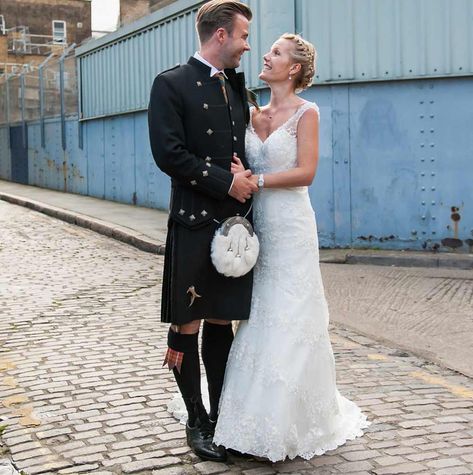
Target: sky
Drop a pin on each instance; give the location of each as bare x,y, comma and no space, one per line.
105,15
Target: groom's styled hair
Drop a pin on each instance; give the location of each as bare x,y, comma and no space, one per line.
219,14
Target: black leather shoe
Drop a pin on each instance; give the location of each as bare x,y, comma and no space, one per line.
241,455
199,439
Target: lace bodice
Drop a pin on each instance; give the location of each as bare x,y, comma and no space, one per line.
279,151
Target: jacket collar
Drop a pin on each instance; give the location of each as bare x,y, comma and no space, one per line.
230,73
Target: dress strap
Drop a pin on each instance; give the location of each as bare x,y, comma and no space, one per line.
292,123
303,108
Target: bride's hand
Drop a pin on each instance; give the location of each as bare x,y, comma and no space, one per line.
237,166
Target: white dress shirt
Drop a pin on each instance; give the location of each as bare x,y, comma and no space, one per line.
213,69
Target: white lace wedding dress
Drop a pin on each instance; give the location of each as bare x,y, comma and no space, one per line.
280,397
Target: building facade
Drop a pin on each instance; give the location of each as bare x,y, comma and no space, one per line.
66,21
31,30
132,10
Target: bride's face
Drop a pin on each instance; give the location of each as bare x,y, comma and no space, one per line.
278,63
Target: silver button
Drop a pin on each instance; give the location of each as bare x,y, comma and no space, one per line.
233,122
208,164
210,131
205,173
204,213
181,212
234,139
192,217
207,159
193,183
199,84
206,106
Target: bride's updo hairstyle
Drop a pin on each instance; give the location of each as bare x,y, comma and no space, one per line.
305,54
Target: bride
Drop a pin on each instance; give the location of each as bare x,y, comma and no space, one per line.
280,397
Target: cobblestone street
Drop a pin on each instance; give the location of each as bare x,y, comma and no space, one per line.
82,389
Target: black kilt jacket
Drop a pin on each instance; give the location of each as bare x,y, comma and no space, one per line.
193,135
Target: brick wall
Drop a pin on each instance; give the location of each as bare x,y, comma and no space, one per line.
157,4
131,10
38,15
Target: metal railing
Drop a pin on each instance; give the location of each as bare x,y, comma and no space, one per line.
21,41
37,94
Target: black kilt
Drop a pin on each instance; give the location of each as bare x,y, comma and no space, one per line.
187,264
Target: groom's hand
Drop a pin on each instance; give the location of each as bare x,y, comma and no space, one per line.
242,187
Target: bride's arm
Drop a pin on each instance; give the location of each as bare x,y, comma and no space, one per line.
307,156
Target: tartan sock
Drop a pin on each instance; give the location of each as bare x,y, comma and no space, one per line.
188,377
216,343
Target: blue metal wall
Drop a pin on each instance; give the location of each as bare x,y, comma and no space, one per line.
366,40
5,153
395,159
117,71
357,40
114,163
120,166
19,150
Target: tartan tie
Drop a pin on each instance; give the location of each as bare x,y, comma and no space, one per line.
221,78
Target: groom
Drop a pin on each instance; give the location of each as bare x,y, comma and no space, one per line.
197,119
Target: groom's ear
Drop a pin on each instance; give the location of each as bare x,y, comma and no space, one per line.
221,34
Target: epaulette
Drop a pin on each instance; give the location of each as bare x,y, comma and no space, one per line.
170,69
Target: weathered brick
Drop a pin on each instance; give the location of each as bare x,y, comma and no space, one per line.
149,464
87,450
128,444
445,428
360,455
401,468
208,468
350,467
32,454
445,462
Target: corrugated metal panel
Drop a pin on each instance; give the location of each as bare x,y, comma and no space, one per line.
366,40
357,40
271,19
117,76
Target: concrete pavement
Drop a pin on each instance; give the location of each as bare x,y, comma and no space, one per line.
82,389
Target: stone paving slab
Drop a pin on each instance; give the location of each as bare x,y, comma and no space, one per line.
83,391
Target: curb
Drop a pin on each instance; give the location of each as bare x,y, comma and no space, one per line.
464,262
115,231
145,243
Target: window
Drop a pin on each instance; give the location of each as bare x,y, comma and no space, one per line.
2,24
59,31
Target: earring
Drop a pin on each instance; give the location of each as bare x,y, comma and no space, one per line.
290,77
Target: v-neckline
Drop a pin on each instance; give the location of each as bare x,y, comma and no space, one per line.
277,128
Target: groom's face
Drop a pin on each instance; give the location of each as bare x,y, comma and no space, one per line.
237,43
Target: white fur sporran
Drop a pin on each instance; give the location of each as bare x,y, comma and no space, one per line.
235,247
